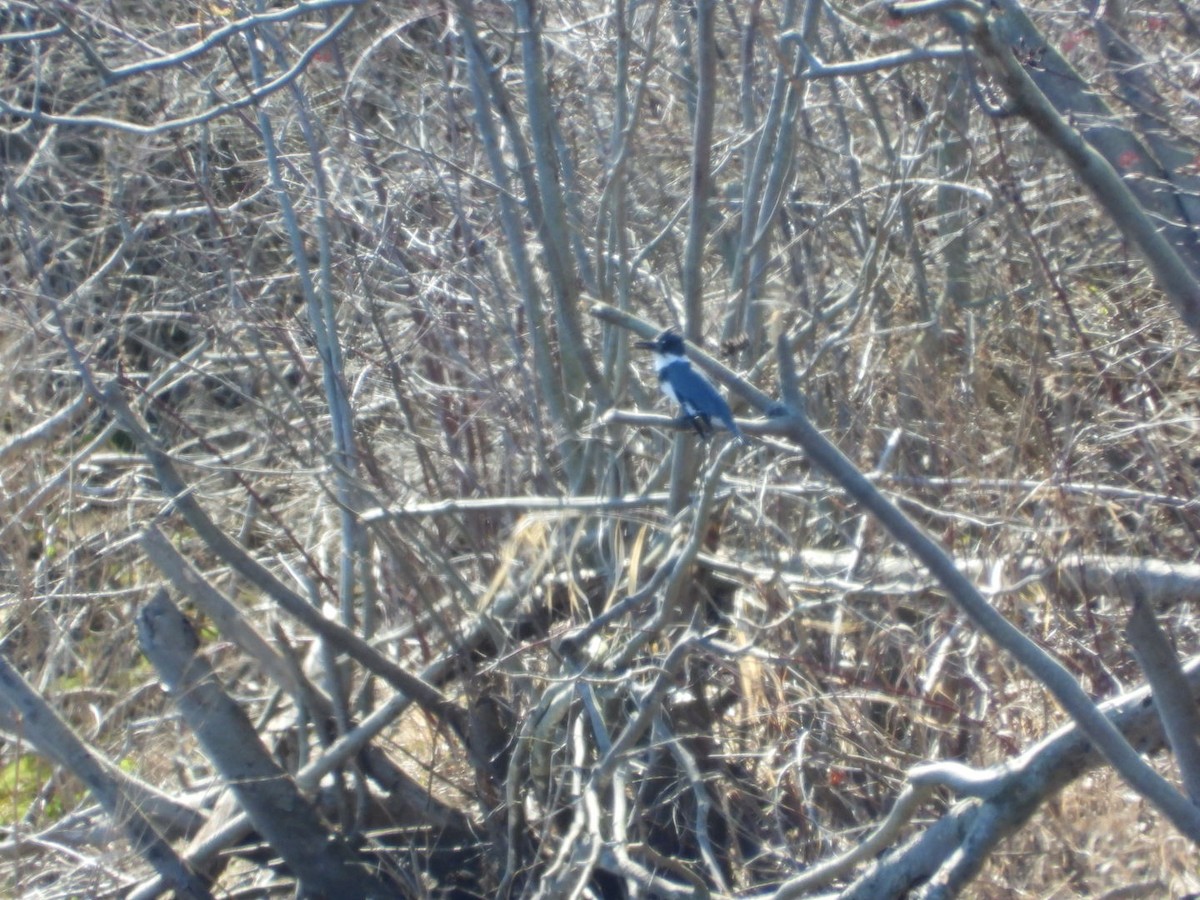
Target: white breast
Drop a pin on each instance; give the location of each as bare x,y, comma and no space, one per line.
669,391
661,361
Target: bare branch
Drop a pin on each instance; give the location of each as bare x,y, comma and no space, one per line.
182,498
229,620
46,430
701,169
1173,696
127,803
221,34
1036,661
517,506
1005,797
1165,584
815,68
250,98
677,423
322,862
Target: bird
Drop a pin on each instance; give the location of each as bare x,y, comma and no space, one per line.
693,392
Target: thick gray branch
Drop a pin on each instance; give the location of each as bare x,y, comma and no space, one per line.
408,802
1047,670
1162,582
1172,693
1044,89
284,817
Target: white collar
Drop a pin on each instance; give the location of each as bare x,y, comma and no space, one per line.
662,360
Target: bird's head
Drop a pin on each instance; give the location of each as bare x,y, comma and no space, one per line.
666,344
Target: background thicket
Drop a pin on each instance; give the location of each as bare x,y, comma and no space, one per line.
317,325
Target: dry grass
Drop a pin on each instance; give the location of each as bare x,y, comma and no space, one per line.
1097,839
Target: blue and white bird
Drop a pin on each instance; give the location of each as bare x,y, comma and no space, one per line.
697,397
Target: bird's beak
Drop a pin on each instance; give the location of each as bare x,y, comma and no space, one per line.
646,345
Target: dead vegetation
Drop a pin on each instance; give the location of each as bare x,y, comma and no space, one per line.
347,371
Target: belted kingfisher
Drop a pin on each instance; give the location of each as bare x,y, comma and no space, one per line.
692,391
